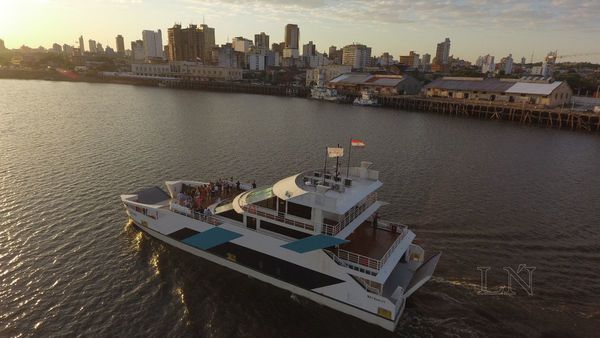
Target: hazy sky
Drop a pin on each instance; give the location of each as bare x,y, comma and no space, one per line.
475,27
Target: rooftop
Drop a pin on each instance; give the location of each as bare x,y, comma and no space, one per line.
368,79
496,85
308,188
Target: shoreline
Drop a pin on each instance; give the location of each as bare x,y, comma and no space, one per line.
554,118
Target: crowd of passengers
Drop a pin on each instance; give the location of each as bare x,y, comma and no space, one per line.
196,198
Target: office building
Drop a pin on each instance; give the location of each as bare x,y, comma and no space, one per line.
120,45
137,50
261,41
442,52
81,45
56,48
320,75
506,64
487,64
99,48
92,46
309,49
411,60
191,44
241,44
153,47
292,41
356,55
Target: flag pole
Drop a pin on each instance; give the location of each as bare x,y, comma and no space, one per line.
325,167
349,152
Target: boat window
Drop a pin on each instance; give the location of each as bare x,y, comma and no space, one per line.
299,210
251,222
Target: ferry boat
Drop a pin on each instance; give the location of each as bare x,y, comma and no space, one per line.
316,234
366,99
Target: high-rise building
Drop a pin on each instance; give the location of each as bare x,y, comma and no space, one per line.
191,44
120,45
506,64
56,48
426,59
92,46
99,48
309,49
278,47
208,42
138,52
523,61
261,41
335,55
153,47
442,52
488,65
81,45
292,36
67,50
2,47
386,59
356,55
292,41
410,60
241,44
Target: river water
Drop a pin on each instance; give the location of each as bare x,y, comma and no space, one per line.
486,194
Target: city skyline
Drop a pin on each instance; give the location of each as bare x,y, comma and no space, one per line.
395,27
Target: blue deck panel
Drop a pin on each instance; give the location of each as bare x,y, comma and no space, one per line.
211,238
313,243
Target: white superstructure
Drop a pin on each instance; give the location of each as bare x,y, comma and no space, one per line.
316,234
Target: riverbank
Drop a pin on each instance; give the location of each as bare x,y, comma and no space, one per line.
524,114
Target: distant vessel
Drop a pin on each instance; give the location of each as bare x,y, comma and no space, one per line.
323,93
316,234
366,99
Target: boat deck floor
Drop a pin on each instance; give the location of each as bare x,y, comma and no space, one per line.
369,241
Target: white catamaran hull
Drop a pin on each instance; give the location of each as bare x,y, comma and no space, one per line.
312,295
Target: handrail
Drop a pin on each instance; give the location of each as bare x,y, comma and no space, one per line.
375,264
350,216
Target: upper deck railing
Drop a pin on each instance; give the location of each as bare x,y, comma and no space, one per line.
355,260
350,215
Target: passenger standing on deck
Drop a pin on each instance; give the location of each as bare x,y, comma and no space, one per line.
253,184
237,185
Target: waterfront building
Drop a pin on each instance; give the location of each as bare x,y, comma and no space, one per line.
153,47
241,44
81,45
257,59
316,60
380,84
261,41
120,45
184,70
191,44
137,50
56,48
356,55
92,46
322,74
527,90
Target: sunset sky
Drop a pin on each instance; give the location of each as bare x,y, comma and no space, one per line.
476,27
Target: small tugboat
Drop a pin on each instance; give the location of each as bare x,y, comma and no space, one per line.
366,99
316,234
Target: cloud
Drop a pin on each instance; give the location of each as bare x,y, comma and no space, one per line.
510,15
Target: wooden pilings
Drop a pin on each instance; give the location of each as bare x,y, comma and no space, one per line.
526,114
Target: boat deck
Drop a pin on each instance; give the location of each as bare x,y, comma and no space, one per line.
221,197
370,241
